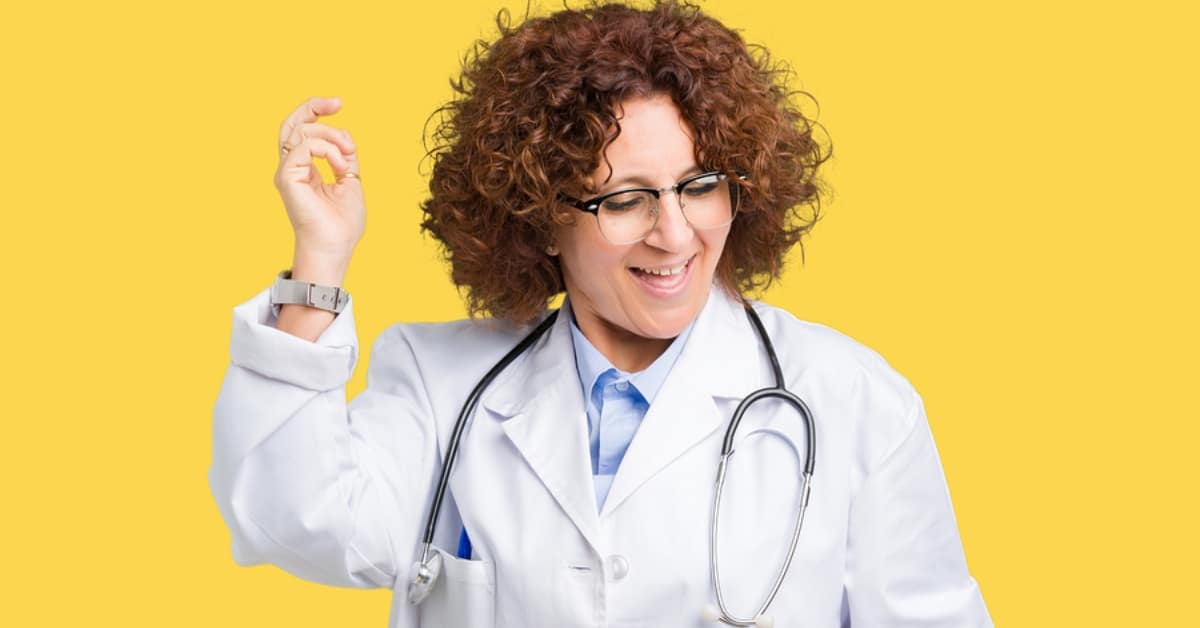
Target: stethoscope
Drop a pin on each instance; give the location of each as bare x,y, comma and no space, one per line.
429,567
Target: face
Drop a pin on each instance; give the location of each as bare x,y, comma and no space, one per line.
614,298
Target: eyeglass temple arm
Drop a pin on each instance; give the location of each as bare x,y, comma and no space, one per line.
578,204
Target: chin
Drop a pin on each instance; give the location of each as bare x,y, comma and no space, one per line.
668,322
663,329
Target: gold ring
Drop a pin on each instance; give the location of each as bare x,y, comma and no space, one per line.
285,149
352,175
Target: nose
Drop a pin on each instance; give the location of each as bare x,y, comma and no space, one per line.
673,232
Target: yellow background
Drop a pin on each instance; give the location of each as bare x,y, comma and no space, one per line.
1013,228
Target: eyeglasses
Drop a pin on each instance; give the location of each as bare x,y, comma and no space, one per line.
708,200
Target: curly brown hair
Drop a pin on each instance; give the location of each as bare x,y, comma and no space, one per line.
534,111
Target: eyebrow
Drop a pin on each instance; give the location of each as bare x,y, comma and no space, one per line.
639,181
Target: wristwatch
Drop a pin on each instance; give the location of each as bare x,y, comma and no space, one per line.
287,290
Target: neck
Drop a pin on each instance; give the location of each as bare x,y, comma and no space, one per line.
626,351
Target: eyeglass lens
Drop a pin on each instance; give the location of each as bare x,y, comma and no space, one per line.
630,216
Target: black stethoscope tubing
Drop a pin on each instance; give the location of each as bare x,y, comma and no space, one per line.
460,425
778,391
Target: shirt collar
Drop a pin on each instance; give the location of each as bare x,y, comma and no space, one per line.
591,364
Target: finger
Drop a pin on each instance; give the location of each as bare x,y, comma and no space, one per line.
351,168
338,137
308,111
298,165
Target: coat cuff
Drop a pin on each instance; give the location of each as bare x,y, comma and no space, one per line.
258,346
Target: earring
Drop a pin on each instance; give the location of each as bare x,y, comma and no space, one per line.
552,250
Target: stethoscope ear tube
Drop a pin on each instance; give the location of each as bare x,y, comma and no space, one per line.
779,391
721,612
760,618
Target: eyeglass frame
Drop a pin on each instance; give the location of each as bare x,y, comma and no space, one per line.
592,205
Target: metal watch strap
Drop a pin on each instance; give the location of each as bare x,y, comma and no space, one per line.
287,290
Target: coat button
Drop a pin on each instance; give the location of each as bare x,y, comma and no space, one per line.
618,567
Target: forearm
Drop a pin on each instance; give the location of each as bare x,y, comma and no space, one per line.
304,321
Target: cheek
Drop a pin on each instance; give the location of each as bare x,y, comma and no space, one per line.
714,244
588,261
607,272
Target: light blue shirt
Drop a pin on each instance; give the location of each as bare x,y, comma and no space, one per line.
616,401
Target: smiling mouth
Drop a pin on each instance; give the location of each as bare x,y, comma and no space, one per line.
665,271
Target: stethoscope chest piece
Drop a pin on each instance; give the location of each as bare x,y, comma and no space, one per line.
425,578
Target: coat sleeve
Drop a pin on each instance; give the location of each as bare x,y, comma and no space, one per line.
329,491
905,564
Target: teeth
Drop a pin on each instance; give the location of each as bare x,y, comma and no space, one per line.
664,272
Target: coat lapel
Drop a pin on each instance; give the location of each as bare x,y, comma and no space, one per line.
540,403
722,359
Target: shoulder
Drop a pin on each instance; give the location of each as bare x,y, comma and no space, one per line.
456,353
826,349
470,335
862,391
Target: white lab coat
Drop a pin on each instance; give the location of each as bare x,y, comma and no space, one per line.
337,493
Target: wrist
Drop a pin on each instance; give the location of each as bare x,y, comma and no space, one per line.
288,290
323,271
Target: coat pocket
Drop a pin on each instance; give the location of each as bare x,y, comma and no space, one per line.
464,596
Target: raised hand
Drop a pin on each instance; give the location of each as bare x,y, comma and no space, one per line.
328,218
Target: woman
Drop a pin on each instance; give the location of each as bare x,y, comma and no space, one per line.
650,167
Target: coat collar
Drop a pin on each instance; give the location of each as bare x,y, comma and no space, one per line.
541,404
